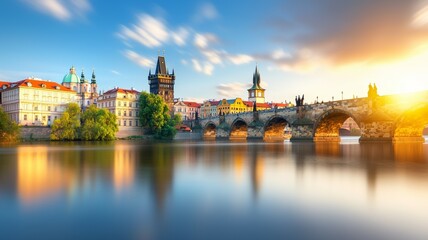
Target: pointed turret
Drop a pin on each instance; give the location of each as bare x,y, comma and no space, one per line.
256,93
161,66
82,77
93,79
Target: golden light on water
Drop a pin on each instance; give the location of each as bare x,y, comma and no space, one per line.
37,177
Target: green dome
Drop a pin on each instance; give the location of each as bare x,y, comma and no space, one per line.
71,77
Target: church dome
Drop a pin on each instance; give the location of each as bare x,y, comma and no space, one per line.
71,77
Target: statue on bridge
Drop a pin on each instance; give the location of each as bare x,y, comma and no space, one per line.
299,101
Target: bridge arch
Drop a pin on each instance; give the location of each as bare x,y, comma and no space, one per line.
327,126
239,129
410,125
209,130
274,129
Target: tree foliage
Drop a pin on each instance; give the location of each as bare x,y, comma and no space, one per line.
98,124
154,115
67,126
9,130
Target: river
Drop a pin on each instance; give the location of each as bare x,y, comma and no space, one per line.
214,190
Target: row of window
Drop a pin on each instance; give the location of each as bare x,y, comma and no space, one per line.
112,104
119,113
127,123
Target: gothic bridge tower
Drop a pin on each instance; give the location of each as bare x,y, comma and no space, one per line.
162,82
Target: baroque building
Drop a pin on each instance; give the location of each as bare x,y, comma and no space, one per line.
35,102
124,104
162,82
87,92
256,93
188,110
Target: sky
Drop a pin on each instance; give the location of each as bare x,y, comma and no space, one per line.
320,48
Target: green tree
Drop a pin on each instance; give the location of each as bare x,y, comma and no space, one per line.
68,125
9,130
154,115
98,124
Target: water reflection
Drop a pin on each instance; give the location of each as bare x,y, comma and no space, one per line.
378,185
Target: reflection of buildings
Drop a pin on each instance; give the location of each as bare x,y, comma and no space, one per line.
123,166
37,177
256,169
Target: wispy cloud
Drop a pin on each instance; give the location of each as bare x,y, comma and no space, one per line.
206,11
347,32
138,59
205,68
115,72
153,32
231,90
63,10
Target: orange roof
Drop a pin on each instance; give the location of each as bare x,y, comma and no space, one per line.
279,104
192,104
4,83
261,105
35,83
122,90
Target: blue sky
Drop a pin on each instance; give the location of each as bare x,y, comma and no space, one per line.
317,48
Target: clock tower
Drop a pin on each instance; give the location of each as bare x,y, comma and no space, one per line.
256,93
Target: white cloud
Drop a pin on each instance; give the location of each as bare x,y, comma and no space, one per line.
203,41
280,54
232,90
420,18
138,59
206,11
205,68
240,59
63,10
212,56
149,31
153,32
180,36
115,72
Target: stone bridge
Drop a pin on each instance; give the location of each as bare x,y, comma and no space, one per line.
380,118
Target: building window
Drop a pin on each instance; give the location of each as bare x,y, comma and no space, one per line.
124,122
49,108
130,123
124,113
136,123
120,113
36,117
25,117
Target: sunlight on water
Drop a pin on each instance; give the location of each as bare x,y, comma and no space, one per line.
214,190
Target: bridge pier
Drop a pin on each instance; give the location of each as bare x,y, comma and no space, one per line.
302,132
376,131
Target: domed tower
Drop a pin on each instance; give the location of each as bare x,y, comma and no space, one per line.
162,82
71,80
256,93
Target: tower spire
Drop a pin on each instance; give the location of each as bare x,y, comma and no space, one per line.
93,79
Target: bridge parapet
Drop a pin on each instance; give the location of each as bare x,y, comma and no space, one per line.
383,118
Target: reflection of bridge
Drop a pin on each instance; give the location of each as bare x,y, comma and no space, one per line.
382,118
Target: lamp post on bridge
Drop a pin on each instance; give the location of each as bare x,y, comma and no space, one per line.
342,95
317,99
332,98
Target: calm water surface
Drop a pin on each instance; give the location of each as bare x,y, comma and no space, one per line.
214,190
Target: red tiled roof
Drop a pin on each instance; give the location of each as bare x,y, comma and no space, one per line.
279,104
4,83
40,84
122,90
214,103
192,104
